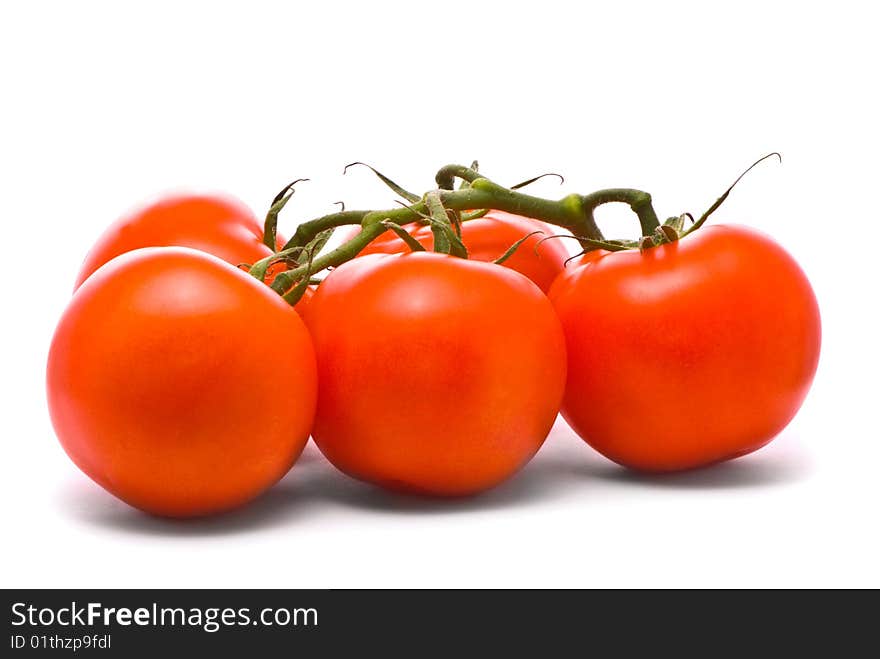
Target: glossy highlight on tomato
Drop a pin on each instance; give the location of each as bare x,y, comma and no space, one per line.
688,353
438,375
216,224
163,386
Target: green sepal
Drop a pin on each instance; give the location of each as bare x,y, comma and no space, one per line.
676,223
475,215
456,246
538,178
441,238
404,235
665,234
406,194
259,269
295,294
607,245
295,256
446,240
512,249
270,226
314,246
714,207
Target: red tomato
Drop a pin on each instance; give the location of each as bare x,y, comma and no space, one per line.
302,306
688,353
221,226
438,375
160,382
487,238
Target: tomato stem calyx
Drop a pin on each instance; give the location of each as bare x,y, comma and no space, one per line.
270,226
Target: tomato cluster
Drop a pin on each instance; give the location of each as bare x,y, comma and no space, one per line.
182,382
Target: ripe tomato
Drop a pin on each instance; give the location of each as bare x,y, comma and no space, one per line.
161,382
688,353
302,306
221,226
487,238
438,375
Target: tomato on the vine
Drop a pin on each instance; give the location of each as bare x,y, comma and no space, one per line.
489,237
163,384
688,353
438,375
219,225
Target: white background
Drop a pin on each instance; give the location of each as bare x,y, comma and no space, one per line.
105,104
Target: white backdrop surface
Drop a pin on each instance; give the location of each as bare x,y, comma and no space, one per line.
107,104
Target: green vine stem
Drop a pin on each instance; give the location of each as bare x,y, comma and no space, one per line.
569,212
307,231
472,199
345,252
639,202
573,212
445,178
